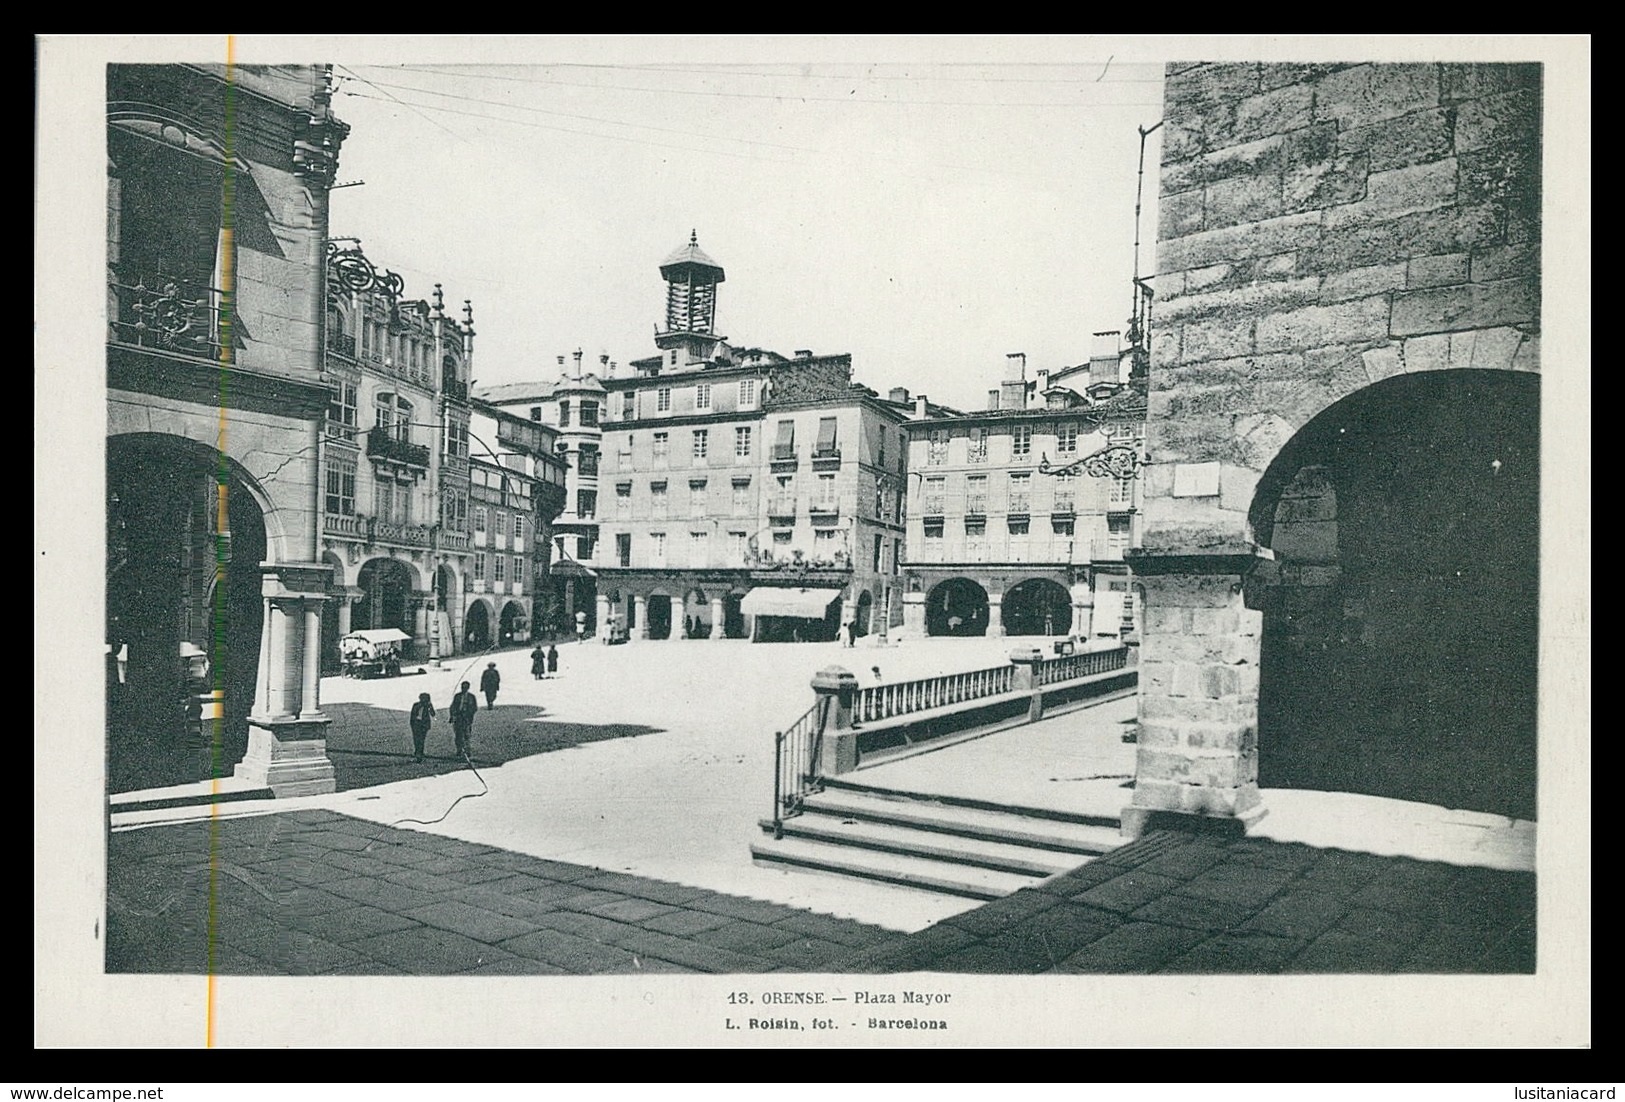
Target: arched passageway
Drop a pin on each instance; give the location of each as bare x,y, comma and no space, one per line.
1037,606
177,585
513,624
696,615
386,598
957,606
1399,654
863,614
477,627
658,610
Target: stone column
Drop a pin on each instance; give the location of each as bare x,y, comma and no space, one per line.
287,732
346,603
310,691
640,613
836,688
1083,606
995,615
1027,661
914,615
1197,755
716,618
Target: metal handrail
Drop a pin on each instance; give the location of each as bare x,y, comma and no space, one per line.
796,751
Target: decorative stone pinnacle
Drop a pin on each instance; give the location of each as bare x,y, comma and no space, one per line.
439,300
468,311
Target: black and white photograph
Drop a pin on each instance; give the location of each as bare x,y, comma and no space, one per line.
822,541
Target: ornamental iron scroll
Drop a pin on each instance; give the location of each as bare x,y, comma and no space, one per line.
1116,461
351,270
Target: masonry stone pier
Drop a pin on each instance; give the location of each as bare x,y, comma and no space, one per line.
287,730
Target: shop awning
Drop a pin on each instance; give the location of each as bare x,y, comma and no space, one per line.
805,604
569,568
380,635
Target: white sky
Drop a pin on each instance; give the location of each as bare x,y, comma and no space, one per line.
927,217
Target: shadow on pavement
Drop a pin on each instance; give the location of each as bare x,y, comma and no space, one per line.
370,745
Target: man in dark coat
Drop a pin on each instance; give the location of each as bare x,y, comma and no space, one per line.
422,716
490,682
463,709
552,659
538,662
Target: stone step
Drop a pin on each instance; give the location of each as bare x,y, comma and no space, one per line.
892,868
1014,828
934,845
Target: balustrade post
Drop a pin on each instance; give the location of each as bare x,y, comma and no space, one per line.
1025,678
836,689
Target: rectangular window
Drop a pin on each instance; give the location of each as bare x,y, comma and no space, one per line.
564,413
896,555
699,549
824,542
623,548
589,413
702,443
623,499
1021,441
662,448
518,530
501,525
976,495
657,548
588,460
657,499
878,562
1117,534
933,529
933,496
629,405
747,393
663,400
781,539
976,446
738,548
938,447
340,489
826,438
456,441
518,574
479,518
785,446
702,396
1020,483
784,497
696,499
501,564
535,413
1065,493
824,501
585,547
479,567
341,407
975,540
454,511
586,504
741,498
1066,439
742,442
1062,526
1122,491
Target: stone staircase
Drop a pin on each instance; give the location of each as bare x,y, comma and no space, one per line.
935,843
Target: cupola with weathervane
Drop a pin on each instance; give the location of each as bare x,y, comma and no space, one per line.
691,304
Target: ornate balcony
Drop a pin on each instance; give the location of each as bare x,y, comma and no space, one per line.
454,389
381,445
407,535
173,315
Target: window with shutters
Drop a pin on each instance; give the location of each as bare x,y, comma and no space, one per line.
1021,441
826,439
785,446
742,442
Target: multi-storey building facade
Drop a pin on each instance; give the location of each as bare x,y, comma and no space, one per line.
395,457
1019,515
516,491
729,471
573,404
217,192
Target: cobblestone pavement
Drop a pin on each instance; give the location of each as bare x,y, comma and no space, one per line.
314,892
1174,902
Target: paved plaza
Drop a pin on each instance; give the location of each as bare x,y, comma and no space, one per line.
606,823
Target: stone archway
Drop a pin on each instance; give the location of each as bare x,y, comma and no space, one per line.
1037,606
512,627
176,582
1400,635
658,611
957,606
477,627
863,614
387,587
696,622
734,625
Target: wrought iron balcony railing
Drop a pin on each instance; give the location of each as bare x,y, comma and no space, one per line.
381,445
174,315
455,389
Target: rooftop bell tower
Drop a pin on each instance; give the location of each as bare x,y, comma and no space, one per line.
691,300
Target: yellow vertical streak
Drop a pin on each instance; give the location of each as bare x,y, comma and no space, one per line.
227,281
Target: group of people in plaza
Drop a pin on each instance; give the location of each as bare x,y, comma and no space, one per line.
464,706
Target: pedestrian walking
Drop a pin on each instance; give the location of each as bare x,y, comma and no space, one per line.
847,631
538,662
422,716
552,659
490,682
581,626
463,709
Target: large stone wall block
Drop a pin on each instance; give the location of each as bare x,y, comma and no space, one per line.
1504,262
1437,271
1397,143
1236,487
1233,243
1362,282
1474,306
1206,84
1215,621
1471,81
1447,230
1181,213
1236,302
1273,112
1199,519
1315,326
1199,438
1180,142
1259,438
1368,94
1215,338
1400,191
1498,120
1278,74
1242,199
1325,183
1153,735
1505,174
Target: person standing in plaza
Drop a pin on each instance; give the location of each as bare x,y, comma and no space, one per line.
581,626
463,709
422,716
552,659
490,682
538,662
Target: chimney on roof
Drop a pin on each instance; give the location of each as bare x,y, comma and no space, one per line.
1013,394
603,363
577,357
899,394
993,398
920,413
1105,357
803,353
1105,344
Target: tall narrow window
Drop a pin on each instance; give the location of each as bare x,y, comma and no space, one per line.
1020,483
742,442
657,499
589,413
341,412
747,393
663,400
976,495
933,496
586,504
657,548
976,446
340,499
629,405
699,549
824,500
702,443
623,548
1021,441
662,447
741,498
826,438
696,498
564,413
702,396
785,446
623,499
938,448
1066,438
